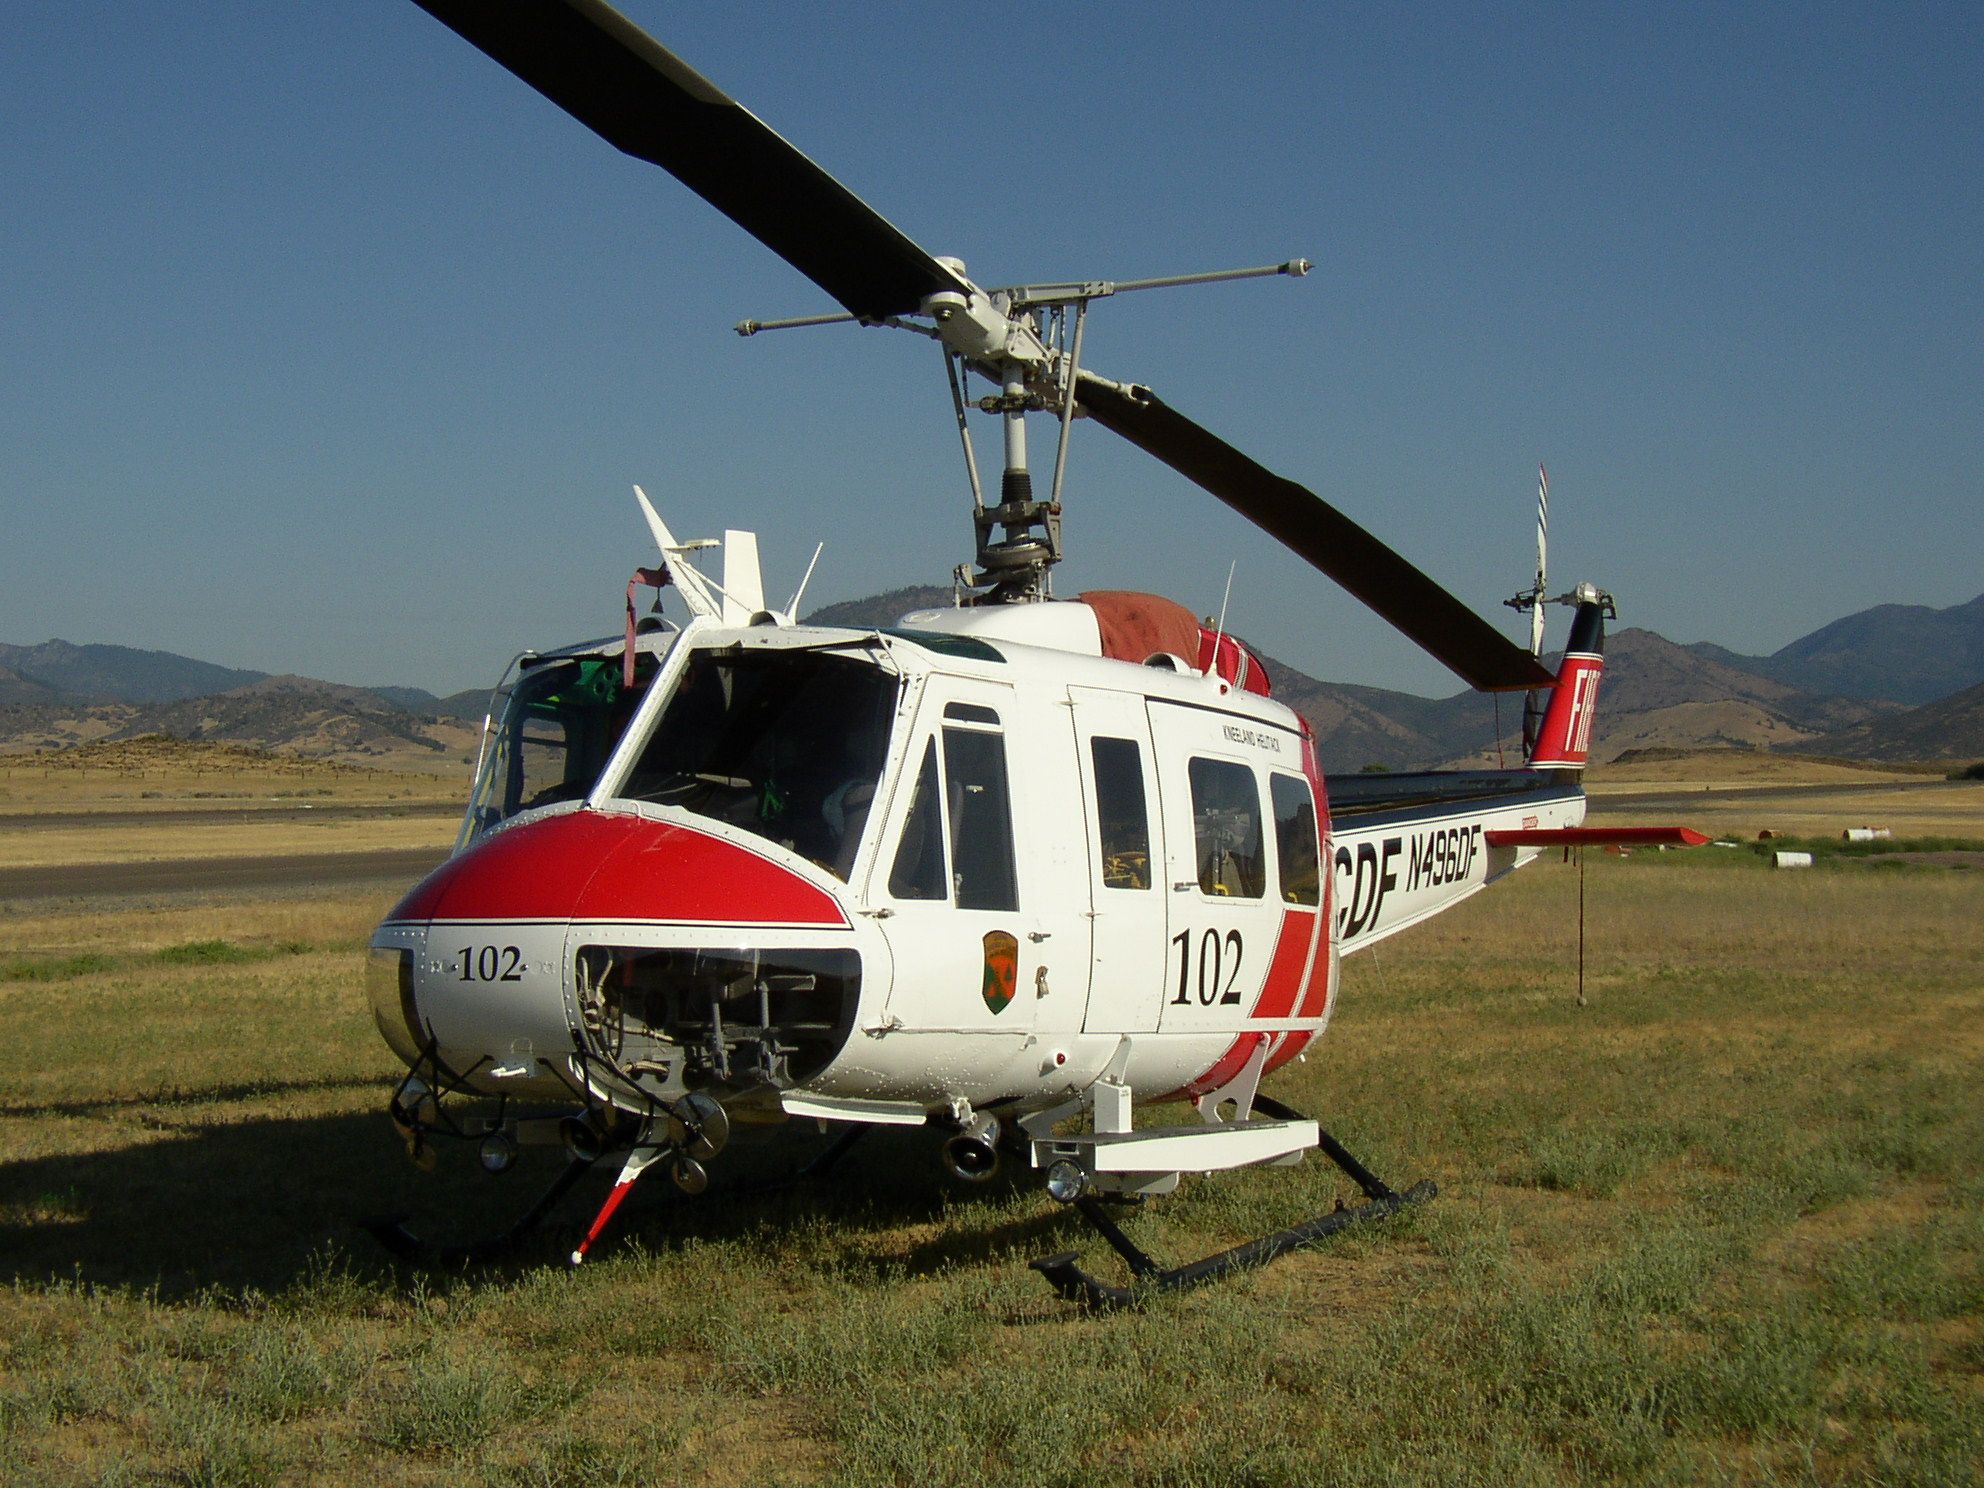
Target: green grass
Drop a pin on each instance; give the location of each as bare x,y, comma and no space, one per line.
62,968
1828,853
1725,1224
57,968
1822,848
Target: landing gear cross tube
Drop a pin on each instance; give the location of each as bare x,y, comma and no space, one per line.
1065,1274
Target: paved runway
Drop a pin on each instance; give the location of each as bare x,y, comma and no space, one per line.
208,875
1685,795
220,816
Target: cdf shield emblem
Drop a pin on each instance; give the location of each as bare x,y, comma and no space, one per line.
1002,969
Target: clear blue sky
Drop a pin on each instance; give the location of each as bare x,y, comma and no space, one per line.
333,348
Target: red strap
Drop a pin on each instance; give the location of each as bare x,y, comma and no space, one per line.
658,579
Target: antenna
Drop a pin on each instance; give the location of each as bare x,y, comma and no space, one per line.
792,605
1219,633
693,586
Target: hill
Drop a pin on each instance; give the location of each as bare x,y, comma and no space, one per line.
120,674
1895,653
1660,695
293,714
17,690
1656,695
59,672
880,609
1950,728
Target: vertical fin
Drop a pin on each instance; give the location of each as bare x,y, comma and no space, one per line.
743,582
1564,738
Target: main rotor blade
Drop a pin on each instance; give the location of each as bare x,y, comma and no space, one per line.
624,85
1318,532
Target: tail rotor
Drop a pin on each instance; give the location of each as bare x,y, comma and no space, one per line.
1556,722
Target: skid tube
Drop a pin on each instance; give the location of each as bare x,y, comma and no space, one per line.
1065,1274
393,1233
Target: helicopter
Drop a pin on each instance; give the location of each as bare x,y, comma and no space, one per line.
1006,870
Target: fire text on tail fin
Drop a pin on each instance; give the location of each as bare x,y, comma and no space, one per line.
1563,739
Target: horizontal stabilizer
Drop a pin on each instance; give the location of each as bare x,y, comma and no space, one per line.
1596,837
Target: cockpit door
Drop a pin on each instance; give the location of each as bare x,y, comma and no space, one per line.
977,881
1125,891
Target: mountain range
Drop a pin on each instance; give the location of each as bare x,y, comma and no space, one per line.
1890,653
1895,682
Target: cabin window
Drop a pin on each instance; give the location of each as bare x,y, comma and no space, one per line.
1295,839
1226,829
981,814
957,838
785,744
919,868
1122,811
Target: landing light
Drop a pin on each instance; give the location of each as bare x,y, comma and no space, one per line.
498,1151
1066,1182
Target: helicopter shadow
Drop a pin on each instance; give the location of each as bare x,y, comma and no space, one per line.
889,1187
271,1204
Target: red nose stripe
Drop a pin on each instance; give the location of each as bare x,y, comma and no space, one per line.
664,872
588,866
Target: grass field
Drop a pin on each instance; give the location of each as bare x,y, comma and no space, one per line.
1723,1224
149,799
1940,809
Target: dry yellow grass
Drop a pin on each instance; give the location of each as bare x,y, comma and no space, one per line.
163,776
127,843
1708,769
153,799
341,918
1915,809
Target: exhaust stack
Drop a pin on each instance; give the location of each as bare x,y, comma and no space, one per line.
972,1156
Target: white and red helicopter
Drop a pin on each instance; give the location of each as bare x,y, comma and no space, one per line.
1007,869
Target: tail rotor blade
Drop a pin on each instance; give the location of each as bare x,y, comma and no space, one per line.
624,85
1317,532
1542,560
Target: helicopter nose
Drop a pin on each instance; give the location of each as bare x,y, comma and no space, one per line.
475,957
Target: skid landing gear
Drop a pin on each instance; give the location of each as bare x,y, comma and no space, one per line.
394,1235
701,1136
1065,1274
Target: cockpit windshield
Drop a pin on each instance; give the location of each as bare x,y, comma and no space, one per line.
786,744
558,729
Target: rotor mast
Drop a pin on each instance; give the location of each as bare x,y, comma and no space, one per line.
999,334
